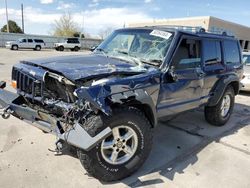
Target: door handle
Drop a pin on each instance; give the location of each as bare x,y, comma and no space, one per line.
200,73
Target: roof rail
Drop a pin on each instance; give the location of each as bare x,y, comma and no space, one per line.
192,29
180,27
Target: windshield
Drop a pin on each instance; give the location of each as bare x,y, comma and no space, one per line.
140,46
246,59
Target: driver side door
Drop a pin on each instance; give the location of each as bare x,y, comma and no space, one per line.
182,90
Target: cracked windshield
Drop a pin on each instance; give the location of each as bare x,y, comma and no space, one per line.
139,46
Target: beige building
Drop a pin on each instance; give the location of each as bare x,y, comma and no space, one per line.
209,23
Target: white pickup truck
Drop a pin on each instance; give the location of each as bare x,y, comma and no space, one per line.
70,43
23,43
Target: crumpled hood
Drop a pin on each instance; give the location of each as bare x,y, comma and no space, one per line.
86,66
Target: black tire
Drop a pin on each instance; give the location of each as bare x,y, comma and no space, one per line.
76,49
213,113
38,48
61,48
14,47
98,167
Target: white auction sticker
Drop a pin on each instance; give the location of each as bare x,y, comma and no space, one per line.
162,34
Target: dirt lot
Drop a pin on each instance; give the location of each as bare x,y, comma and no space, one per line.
187,151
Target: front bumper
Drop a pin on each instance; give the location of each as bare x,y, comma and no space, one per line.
8,46
76,136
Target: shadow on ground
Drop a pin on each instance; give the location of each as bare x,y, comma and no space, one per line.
181,139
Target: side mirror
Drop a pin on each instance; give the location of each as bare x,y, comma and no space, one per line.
93,48
171,72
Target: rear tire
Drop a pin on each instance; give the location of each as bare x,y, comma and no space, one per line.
114,158
38,48
219,115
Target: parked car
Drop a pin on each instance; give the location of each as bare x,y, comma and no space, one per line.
107,103
70,43
26,43
245,82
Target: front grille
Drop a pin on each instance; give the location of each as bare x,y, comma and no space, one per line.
28,86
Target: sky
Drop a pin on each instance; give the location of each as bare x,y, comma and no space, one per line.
93,16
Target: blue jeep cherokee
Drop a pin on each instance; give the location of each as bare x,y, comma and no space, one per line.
106,103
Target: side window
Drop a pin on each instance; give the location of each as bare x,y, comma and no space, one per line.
24,40
187,55
30,40
231,49
212,52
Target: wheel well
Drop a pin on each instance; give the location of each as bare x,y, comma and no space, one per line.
142,107
38,45
235,86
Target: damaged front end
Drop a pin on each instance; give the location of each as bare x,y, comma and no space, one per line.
75,111
46,100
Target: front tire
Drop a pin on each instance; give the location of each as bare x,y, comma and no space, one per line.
218,115
76,49
123,152
61,48
14,47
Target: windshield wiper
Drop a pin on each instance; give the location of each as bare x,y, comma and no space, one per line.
122,52
154,62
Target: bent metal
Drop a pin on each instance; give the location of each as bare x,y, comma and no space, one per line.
106,104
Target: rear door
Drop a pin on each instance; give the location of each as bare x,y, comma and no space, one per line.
184,93
213,64
30,44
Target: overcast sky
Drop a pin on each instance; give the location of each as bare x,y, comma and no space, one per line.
99,14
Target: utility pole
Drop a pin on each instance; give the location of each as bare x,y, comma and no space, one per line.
7,18
82,33
22,18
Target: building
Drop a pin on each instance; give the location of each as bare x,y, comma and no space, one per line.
209,23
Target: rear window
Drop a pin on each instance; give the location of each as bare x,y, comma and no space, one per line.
246,59
232,52
38,40
73,41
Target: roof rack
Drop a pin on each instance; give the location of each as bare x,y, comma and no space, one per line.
193,29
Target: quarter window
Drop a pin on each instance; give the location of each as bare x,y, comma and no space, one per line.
232,55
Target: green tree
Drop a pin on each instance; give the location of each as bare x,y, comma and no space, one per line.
65,26
13,27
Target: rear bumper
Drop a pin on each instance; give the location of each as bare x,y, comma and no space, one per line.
76,136
245,84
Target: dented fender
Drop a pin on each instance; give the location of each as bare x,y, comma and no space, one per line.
135,90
